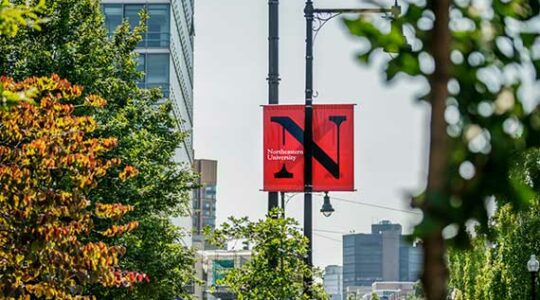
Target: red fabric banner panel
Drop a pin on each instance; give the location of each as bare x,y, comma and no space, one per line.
333,148
333,151
283,148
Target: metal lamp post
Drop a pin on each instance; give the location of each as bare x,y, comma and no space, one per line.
533,265
310,14
273,71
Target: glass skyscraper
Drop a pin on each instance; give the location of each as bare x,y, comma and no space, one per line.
165,53
166,57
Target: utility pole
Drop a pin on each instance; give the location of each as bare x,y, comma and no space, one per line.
308,147
273,71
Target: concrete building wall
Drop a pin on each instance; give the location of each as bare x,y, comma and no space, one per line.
390,255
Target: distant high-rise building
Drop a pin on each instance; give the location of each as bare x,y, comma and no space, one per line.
333,282
166,58
204,197
382,255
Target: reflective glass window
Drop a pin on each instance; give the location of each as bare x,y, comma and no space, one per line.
113,16
158,25
131,13
157,72
156,69
141,65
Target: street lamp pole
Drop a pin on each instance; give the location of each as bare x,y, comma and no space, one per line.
273,71
533,285
308,138
310,13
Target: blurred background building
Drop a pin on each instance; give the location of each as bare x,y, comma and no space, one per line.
204,200
333,282
382,255
214,265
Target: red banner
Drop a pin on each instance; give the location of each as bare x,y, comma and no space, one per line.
283,152
333,148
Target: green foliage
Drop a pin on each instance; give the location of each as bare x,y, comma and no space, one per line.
12,16
277,265
478,58
74,44
487,121
498,270
418,293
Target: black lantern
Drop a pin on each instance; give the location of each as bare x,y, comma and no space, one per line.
327,210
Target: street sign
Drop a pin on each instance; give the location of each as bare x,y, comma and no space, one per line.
333,148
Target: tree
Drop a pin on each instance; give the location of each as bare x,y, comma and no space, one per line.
495,267
49,164
466,265
475,57
74,43
273,239
501,265
12,16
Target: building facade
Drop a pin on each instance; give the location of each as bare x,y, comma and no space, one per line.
213,265
204,199
382,255
333,282
165,54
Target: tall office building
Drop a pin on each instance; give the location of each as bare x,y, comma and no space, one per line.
333,282
382,255
165,53
166,57
204,198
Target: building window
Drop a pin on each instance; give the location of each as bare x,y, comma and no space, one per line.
131,14
113,16
156,71
158,24
210,192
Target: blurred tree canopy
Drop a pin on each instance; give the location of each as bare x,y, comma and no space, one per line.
481,63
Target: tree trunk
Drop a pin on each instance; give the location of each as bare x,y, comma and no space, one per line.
435,276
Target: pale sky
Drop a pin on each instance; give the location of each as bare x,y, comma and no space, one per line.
231,53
